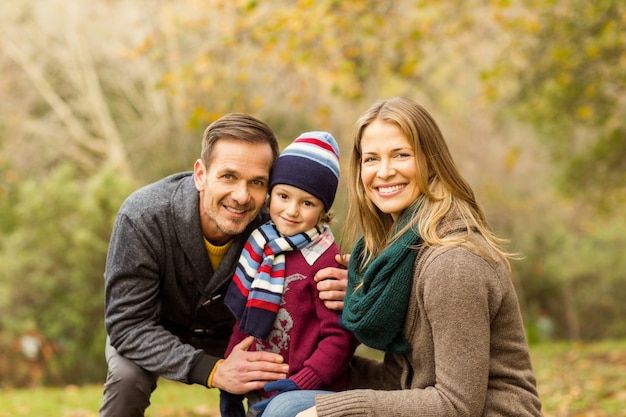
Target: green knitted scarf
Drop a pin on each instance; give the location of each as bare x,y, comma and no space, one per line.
376,311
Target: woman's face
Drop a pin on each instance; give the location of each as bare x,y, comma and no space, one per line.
388,170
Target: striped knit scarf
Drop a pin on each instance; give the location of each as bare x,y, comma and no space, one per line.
256,290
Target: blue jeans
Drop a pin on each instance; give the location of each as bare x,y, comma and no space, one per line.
290,403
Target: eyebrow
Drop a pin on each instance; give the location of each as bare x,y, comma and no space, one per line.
228,170
391,150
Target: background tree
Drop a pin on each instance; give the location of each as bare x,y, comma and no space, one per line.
561,71
565,76
52,258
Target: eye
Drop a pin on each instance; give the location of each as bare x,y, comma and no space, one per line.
403,155
258,183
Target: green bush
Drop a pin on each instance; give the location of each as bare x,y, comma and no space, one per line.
52,254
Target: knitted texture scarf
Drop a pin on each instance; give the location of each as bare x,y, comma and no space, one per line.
376,310
256,290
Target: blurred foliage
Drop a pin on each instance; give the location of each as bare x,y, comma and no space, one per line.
529,94
570,277
51,281
565,75
577,279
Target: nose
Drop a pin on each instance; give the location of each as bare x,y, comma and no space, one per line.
385,169
292,209
240,194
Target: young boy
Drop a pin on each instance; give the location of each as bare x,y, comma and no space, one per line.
273,294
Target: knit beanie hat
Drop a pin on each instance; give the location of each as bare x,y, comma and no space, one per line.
311,163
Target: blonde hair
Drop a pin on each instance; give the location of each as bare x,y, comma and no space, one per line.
444,192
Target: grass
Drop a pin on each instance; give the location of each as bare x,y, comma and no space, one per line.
582,379
573,379
171,399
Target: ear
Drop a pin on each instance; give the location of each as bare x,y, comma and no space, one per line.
199,171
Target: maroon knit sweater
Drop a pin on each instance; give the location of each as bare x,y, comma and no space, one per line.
306,333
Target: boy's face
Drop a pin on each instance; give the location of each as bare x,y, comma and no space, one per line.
294,210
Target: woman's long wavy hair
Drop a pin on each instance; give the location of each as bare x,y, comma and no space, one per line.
445,194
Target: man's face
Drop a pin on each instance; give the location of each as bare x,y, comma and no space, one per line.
232,188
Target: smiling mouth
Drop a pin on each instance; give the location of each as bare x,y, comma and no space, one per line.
391,189
235,210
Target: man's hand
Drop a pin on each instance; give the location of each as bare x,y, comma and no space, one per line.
332,283
245,371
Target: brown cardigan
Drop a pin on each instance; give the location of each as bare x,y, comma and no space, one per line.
470,355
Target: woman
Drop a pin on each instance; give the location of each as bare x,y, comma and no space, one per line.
428,283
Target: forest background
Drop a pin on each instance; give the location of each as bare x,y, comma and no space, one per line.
102,97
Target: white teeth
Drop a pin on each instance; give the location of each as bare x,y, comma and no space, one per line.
389,190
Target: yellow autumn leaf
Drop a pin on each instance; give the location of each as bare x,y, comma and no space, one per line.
511,158
584,112
592,51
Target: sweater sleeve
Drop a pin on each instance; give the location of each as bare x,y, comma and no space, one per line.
132,309
374,374
456,299
329,361
235,338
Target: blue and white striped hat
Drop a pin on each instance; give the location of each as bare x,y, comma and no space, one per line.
311,163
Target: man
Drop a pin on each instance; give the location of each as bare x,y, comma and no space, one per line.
172,254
